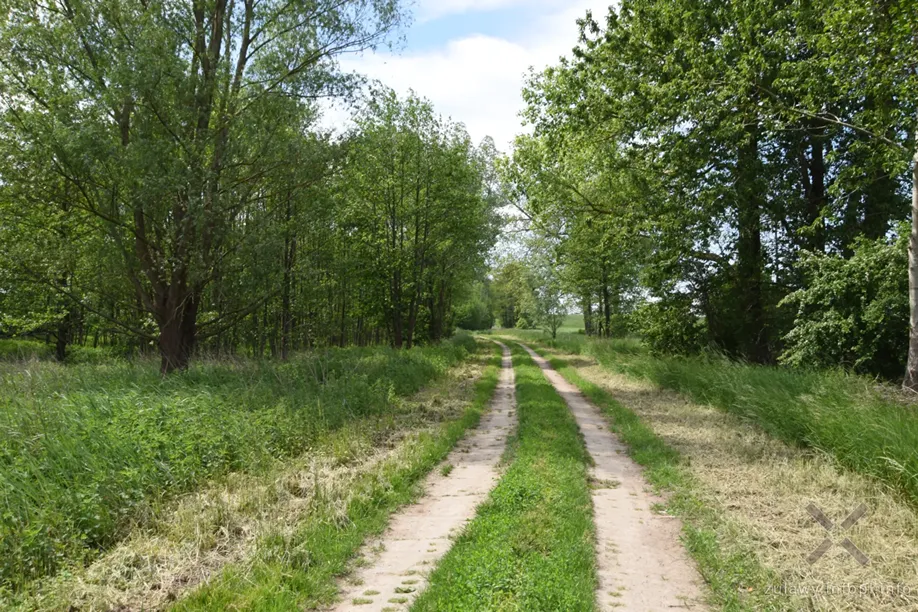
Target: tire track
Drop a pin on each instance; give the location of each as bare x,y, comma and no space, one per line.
641,564
419,534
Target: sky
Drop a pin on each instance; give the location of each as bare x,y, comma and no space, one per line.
470,57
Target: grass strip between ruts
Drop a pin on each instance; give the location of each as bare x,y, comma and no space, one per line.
736,578
300,571
531,544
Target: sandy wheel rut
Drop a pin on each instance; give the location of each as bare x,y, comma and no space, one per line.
642,566
420,534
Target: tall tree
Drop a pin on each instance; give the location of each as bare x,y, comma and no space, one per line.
761,130
419,202
158,115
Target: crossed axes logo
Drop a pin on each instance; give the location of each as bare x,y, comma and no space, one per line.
847,544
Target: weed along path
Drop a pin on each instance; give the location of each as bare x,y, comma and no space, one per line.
641,563
393,568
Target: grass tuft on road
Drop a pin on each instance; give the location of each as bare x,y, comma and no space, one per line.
531,544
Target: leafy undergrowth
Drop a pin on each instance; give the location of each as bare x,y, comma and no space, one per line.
736,578
88,452
530,546
33,350
298,570
867,427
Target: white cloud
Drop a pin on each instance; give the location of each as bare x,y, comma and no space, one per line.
474,80
477,79
429,10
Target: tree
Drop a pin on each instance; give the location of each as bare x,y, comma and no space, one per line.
160,117
868,52
549,299
514,298
577,198
419,207
475,312
729,141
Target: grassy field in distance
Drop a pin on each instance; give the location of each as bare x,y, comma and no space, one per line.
572,324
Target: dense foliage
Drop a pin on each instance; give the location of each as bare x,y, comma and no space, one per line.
710,160
475,311
165,185
852,311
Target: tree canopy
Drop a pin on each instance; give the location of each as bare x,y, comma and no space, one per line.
710,160
165,183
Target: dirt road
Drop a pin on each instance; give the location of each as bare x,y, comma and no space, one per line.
395,566
641,563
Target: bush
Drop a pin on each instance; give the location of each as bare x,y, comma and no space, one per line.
852,312
29,350
474,315
671,326
25,350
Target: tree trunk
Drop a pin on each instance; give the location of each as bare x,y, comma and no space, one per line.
342,341
438,315
587,303
397,333
177,332
412,321
64,327
754,333
63,336
189,327
285,316
880,205
911,369
815,190
606,306
170,348
289,260
398,338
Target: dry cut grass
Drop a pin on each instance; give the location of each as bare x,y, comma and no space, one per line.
763,487
245,515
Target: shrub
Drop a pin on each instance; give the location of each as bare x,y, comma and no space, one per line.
671,326
474,315
25,350
852,312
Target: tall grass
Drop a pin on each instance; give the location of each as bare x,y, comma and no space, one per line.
86,451
32,350
866,426
298,571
